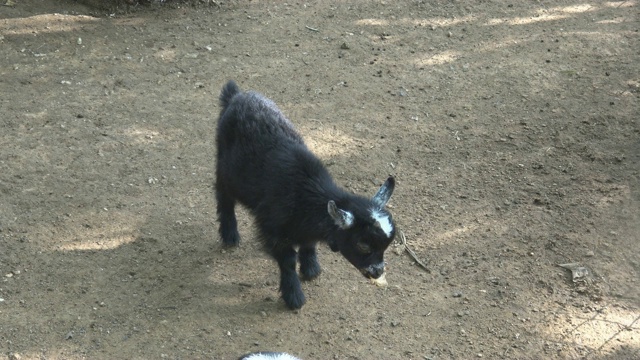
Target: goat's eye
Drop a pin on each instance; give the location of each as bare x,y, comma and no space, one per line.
364,248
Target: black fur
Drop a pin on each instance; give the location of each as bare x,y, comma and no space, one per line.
263,163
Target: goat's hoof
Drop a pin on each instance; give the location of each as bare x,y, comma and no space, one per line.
310,273
295,306
231,240
229,245
294,301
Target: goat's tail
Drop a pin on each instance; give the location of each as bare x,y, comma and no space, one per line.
229,90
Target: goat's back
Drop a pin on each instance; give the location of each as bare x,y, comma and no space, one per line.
259,149
253,121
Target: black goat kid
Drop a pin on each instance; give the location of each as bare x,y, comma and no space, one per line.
263,163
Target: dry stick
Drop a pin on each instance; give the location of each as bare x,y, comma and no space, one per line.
627,327
312,29
412,253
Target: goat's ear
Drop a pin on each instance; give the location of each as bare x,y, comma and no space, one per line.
383,195
343,219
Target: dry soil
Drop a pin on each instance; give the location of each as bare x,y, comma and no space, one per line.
512,129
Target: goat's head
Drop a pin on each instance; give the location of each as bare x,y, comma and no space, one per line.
365,230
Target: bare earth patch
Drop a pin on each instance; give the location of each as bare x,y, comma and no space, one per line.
512,130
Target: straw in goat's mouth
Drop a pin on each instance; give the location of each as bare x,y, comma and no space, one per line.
381,281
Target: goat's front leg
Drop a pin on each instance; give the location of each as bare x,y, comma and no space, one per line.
309,265
289,282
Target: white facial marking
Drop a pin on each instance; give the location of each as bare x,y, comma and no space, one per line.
383,220
348,218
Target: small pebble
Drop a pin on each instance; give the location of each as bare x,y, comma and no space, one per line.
590,253
457,294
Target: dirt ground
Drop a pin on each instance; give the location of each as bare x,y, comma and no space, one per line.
512,129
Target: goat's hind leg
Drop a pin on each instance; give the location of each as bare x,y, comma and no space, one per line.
309,265
289,282
227,217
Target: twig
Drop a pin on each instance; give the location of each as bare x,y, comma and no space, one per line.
624,327
506,351
412,253
312,29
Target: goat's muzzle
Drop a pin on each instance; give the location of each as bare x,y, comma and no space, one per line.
373,271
